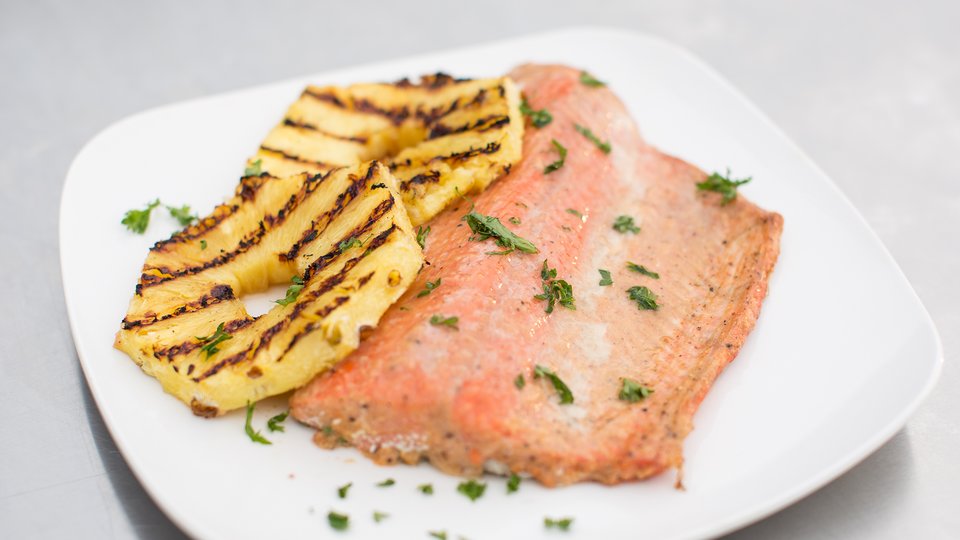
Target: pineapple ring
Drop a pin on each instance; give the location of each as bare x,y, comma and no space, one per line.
441,137
345,233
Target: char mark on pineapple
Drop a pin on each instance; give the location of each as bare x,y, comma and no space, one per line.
292,157
249,240
306,298
325,97
310,127
320,224
420,179
186,347
486,123
217,294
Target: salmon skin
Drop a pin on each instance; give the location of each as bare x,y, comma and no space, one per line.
468,399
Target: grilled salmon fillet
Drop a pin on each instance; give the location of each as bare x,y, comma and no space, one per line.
469,398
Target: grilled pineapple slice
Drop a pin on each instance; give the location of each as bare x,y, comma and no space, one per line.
440,137
344,233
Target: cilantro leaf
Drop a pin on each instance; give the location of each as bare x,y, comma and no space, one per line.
428,287
203,244
439,535
632,391
566,396
558,163
537,118
210,342
589,80
342,490
273,424
255,436
575,212
644,298
555,290
440,320
513,484
337,521
379,516
387,483
625,224
562,523
138,220
351,242
520,382
484,227
426,489
182,214
293,291
422,236
604,146
605,279
640,269
472,489
723,185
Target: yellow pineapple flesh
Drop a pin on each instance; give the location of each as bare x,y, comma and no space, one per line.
344,235
441,137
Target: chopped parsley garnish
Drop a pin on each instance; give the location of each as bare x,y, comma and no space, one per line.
440,320
625,224
182,214
604,146
484,227
555,290
138,220
428,287
255,436
293,291
640,269
387,483
342,490
472,489
351,242
514,220
558,163
422,236
203,244
575,212
644,297
605,279
566,396
589,80
210,342
380,516
513,483
426,489
537,118
439,535
723,185
563,523
273,424
254,169
337,521
633,391
379,185
520,382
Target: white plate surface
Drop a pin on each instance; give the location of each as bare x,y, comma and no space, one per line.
842,354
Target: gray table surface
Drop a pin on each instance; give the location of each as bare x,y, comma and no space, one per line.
871,90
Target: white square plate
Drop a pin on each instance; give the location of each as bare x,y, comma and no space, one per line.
842,354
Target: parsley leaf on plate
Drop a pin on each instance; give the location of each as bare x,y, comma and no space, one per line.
138,220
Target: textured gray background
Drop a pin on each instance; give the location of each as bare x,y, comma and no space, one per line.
871,90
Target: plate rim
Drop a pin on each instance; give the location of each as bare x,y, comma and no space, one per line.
750,513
